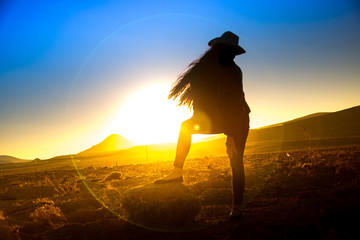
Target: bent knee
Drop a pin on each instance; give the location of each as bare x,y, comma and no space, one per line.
188,126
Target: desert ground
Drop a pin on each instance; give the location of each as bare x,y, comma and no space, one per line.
311,193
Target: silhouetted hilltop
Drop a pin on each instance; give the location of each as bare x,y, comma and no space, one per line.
314,130
4,159
344,123
113,142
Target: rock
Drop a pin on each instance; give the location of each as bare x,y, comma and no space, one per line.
160,205
113,176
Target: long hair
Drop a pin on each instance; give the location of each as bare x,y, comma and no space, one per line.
191,84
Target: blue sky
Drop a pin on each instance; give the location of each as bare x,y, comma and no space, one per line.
67,66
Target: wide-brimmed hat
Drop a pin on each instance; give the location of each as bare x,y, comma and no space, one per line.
228,39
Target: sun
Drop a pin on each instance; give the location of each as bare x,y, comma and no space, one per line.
148,117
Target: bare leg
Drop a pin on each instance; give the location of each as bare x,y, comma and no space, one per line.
182,150
235,148
237,166
183,144
188,127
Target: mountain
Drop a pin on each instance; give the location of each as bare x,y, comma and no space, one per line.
340,124
311,131
4,159
113,142
324,129
317,130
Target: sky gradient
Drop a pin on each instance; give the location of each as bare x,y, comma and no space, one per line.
68,67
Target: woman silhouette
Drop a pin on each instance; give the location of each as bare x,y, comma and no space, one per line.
212,86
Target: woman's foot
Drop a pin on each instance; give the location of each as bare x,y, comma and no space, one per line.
171,180
236,213
175,176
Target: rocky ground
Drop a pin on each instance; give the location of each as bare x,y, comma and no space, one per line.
289,195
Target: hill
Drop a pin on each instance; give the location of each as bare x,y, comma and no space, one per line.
316,130
319,130
113,142
344,123
312,131
328,129
4,159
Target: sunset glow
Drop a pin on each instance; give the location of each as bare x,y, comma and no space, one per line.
92,147
148,117
73,73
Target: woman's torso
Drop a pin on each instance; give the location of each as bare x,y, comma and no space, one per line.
220,98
